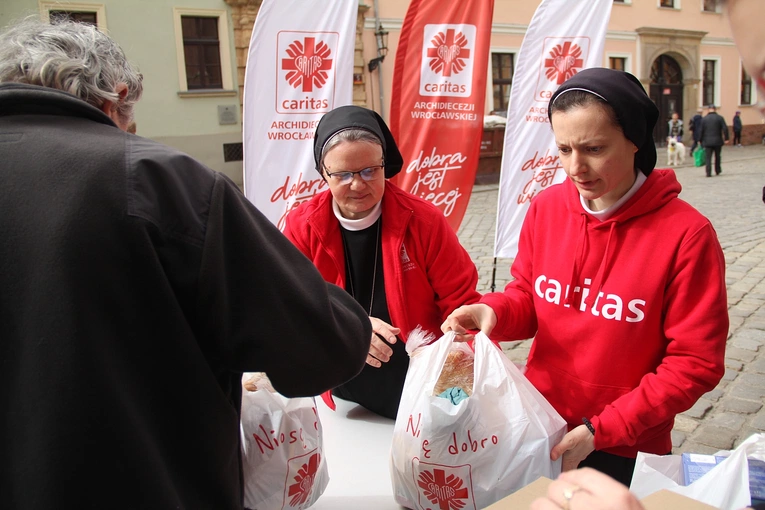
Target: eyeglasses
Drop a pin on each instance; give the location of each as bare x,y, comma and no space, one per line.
367,174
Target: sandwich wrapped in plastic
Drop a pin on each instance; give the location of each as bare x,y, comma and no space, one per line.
455,381
457,371
282,448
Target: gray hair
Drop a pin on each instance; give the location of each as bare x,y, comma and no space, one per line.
349,135
69,56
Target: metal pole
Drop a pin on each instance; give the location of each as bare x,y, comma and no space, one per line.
494,274
379,67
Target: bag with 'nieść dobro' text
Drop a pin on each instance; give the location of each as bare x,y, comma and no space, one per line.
282,448
494,440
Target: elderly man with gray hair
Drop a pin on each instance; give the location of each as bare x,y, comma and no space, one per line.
136,285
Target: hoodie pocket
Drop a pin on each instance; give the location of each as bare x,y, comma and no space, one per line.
571,396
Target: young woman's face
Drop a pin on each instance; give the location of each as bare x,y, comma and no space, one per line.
595,154
357,198
745,22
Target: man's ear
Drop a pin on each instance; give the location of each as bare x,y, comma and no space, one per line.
111,108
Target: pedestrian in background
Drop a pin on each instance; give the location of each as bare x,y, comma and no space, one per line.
675,127
136,285
695,127
737,127
714,134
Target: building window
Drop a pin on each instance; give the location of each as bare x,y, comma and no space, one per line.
201,50
711,6
708,87
92,14
502,67
667,3
80,17
618,63
746,88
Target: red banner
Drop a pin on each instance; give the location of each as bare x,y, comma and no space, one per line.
437,102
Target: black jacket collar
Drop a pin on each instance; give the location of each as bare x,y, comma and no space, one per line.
23,99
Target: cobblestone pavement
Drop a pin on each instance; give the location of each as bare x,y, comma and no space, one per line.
733,411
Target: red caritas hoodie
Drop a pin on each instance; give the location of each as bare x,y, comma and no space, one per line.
629,315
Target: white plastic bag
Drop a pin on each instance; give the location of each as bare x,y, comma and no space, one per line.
472,454
282,454
725,486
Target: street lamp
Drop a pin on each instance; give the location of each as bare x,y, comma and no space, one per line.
381,35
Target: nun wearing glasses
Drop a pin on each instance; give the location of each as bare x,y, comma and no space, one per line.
393,252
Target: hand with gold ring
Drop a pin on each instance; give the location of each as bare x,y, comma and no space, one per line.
568,495
587,489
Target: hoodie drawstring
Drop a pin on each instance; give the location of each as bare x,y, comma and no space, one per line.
600,276
578,262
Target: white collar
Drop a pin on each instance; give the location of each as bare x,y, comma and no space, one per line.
609,211
360,224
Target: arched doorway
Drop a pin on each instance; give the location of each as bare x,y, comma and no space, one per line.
666,92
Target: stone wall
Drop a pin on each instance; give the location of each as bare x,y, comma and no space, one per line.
359,66
243,14
750,134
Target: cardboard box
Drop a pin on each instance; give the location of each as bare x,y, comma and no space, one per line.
521,500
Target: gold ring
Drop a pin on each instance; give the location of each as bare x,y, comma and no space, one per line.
568,494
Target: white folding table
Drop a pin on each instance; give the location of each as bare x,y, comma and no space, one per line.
357,449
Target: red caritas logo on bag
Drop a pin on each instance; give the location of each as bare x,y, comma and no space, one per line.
562,58
306,71
447,60
301,474
444,487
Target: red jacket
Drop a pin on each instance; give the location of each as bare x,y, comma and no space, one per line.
427,271
654,339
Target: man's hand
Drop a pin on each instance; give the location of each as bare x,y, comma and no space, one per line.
587,489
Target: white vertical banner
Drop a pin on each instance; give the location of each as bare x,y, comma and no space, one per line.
299,67
556,46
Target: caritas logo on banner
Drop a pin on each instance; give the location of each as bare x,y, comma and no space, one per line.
563,60
447,63
564,57
447,71
300,66
306,72
305,85
544,63
439,87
